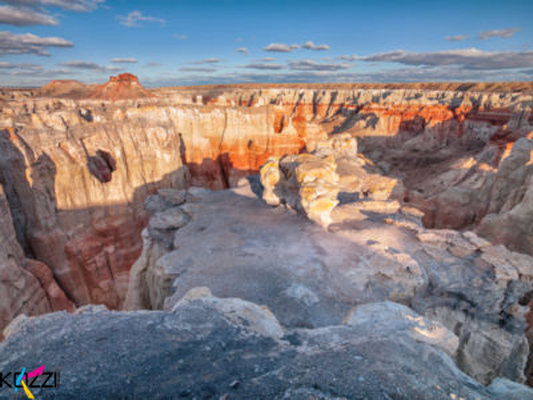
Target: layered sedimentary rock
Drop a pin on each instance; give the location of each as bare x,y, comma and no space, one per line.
451,148
28,286
363,271
314,183
77,175
121,87
209,347
76,167
375,250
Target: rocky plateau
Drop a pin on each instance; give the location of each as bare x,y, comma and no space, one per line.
307,242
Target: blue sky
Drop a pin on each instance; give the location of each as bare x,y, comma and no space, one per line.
186,42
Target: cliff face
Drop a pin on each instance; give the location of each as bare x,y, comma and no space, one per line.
28,286
77,172
374,250
76,168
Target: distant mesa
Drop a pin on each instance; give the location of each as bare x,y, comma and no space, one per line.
122,87
124,78
65,88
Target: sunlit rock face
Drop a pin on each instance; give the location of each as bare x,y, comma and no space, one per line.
78,161
315,183
139,199
373,251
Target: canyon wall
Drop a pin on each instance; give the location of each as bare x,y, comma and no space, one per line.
76,171
28,286
76,174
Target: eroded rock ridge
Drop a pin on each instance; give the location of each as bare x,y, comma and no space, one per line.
76,168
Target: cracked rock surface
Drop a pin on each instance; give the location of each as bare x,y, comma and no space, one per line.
374,251
209,347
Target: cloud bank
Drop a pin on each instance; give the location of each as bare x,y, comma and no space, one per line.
28,43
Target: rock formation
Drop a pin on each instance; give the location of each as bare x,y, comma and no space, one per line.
28,286
121,87
313,182
376,251
209,347
77,162
65,89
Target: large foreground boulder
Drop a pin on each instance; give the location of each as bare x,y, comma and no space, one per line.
374,251
231,349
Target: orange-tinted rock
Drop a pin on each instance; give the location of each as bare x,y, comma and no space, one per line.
80,170
65,88
56,297
122,87
26,286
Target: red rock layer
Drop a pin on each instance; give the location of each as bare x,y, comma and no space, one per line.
85,167
122,87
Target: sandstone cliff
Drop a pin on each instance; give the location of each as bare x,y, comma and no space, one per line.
27,286
77,168
375,251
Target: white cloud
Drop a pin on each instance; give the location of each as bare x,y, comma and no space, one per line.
127,60
198,69
242,50
178,36
264,66
351,58
499,33
7,65
72,5
134,19
406,74
23,16
467,58
310,65
29,43
456,38
43,73
211,60
267,59
82,65
281,48
91,66
317,47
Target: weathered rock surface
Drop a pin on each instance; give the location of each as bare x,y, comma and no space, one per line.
122,87
312,183
485,186
307,183
26,286
374,251
125,86
209,347
76,169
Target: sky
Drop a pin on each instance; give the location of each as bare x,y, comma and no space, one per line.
191,42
